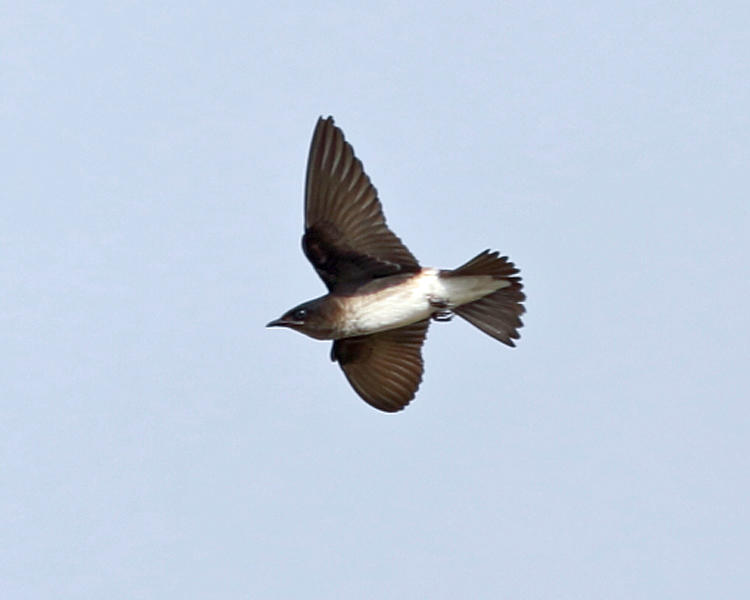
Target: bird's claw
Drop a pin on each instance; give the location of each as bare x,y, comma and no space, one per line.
442,315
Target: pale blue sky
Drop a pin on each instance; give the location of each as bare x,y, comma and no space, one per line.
158,442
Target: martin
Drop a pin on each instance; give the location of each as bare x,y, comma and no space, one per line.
380,300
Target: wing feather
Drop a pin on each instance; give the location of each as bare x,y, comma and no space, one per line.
346,237
384,368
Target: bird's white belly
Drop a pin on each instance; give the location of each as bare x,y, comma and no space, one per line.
390,308
413,300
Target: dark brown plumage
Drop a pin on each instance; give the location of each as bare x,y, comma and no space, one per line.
380,299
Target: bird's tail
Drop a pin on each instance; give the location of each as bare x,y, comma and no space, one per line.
498,314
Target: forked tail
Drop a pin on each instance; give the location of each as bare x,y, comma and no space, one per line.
499,313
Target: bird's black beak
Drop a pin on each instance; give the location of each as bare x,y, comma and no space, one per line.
278,323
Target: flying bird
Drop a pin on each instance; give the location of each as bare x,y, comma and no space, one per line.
380,300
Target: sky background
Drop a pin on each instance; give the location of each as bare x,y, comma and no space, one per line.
156,441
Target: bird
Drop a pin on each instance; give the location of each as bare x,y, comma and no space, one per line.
380,300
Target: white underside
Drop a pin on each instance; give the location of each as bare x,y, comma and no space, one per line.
411,302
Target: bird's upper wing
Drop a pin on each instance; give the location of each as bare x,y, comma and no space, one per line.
384,368
346,238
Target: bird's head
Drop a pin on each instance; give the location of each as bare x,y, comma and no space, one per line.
310,318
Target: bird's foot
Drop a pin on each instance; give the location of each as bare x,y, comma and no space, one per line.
442,315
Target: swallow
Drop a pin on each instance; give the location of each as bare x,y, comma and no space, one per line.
380,301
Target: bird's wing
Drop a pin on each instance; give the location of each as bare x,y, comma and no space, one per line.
346,238
384,368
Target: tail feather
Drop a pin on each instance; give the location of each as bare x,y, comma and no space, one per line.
486,263
499,313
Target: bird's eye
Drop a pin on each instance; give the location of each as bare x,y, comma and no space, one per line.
299,314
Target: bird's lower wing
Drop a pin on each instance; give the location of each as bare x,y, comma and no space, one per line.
384,368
